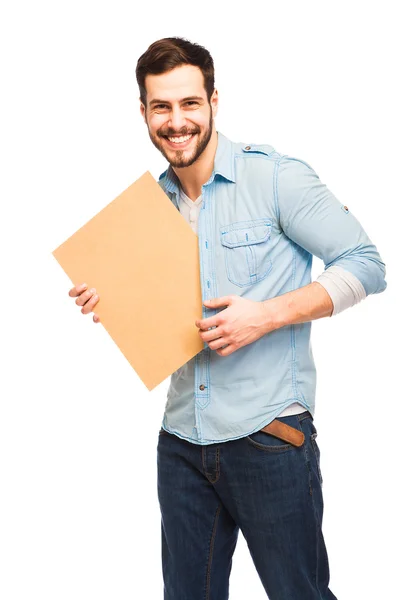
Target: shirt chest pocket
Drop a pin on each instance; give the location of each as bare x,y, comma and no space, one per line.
246,250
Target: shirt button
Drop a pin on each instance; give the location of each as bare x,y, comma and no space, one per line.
248,148
202,387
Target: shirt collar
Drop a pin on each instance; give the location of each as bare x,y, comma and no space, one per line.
223,165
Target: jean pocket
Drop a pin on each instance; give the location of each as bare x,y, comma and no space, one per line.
246,250
268,443
317,455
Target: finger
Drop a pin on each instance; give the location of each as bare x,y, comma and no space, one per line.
77,290
96,318
218,344
90,304
85,296
216,302
212,334
209,322
226,351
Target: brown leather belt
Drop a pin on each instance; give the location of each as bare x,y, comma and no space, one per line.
284,432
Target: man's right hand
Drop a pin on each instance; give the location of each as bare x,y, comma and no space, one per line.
85,298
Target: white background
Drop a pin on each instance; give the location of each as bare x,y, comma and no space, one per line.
78,429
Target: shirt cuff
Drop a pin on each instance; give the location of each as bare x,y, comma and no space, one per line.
343,287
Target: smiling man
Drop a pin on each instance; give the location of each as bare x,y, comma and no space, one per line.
181,141
179,113
237,448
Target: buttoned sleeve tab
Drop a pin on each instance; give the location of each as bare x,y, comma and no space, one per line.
313,218
260,148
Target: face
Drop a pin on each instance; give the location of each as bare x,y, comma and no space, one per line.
178,115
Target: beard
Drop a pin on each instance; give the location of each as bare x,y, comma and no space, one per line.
177,158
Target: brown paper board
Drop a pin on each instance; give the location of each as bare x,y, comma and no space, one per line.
143,259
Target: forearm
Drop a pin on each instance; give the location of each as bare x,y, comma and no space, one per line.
299,306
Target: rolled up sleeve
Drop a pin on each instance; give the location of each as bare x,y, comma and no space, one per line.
313,218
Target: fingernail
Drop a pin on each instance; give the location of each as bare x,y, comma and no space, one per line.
93,291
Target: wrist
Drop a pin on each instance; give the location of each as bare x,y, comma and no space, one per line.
273,314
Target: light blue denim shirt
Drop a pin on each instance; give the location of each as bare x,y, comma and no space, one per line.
263,216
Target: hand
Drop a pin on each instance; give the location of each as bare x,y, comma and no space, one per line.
241,323
85,298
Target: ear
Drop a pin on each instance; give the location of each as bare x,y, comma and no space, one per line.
142,110
214,103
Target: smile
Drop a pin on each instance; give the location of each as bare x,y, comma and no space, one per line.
180,141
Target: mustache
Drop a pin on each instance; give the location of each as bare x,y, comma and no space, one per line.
171,133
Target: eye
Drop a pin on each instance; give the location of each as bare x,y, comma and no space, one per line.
160,108
191,102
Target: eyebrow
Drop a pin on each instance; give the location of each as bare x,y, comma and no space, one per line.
156,101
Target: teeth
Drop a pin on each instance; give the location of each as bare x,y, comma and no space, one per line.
181,139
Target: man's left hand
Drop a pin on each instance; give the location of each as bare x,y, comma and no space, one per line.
242,322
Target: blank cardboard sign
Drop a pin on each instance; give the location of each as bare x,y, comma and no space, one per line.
143,259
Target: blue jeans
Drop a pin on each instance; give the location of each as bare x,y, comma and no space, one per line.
269,489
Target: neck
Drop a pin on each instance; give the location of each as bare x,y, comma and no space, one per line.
194,177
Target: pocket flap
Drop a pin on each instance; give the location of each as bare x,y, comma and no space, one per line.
245,233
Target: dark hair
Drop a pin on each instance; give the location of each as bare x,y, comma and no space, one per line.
166,54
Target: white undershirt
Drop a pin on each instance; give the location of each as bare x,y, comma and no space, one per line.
343,287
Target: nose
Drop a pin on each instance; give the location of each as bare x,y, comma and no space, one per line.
177,119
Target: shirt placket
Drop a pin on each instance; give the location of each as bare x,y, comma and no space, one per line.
202,391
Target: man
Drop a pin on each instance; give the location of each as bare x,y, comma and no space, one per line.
237,448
